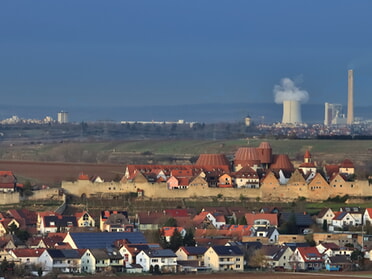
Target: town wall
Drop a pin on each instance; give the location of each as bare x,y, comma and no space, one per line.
47,194
267,192
9,198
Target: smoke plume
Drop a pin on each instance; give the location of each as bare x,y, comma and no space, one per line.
288,91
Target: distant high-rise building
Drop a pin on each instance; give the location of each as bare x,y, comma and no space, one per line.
62,117
333,114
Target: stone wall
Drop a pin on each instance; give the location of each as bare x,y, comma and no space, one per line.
265,193
9,198
47,194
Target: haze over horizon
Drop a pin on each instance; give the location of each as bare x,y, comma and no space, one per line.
151,53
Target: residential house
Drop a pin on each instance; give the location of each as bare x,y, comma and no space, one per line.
157,260
90,240
266,235
206,219
225,181
328,248
338,263
98,260
356,212
325,215
303,220
25,256
150,220
277,256
57,223
262,219
342,219
367,216
191,253
246,177
84,219
130,251
306,258
113,221
8,182
65,261
220,258
168,232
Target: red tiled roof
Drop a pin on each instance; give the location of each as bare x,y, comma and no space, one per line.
26,252
271,217
281,162
347,164
212,160
169,231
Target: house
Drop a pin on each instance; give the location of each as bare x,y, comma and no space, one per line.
130,251
57,223
26,256
113,221
303,220
90,240
98,260
266,235
65,261
246,177
220,258
262,219
84,219
338,263
168,232
356,212
328,248
8,182
277,256
206,219
225,181
343,219
191,253
325,215
306,258
157,260
150,220
367,216
27,219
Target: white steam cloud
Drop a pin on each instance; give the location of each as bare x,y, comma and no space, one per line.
288,91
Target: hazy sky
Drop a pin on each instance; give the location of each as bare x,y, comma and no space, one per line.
155,52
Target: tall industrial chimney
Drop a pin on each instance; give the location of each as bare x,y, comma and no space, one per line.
291,112
350,97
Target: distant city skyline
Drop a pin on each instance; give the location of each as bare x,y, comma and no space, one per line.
144,53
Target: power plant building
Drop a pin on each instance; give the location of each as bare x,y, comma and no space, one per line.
333,115
291,112
350,97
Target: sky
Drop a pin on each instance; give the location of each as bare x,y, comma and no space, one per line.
143,53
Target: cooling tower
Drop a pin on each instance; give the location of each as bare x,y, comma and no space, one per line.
291,112
350,97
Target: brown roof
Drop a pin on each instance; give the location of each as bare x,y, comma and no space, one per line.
247,156
212,160
347,164
281,162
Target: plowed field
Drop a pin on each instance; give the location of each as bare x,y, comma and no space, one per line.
53,173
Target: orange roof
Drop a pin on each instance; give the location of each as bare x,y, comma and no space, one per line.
271,217
307,154
169,231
